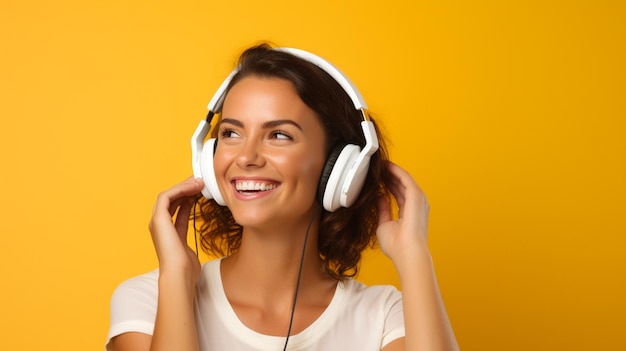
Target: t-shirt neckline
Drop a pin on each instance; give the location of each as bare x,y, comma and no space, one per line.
255,339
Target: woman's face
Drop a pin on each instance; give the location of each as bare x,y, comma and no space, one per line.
270,153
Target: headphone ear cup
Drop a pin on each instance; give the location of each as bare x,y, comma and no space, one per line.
328,169
333,178
211,190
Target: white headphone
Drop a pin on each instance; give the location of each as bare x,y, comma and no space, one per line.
346,167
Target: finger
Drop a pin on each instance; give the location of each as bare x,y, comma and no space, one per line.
397,189
384,210
182,218
416,202
169,200
401,175
406,184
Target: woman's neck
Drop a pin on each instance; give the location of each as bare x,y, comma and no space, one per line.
268,263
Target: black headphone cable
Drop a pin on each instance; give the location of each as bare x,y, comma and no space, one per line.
295,295
195,230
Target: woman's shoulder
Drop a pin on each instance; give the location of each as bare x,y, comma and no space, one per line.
133,305
362,288
147,278
380,305
137,289
359,292
147,282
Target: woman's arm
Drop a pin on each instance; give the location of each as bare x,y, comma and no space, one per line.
130,342
179,270
404,241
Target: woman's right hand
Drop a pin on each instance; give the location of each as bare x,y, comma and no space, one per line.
179,270
168,227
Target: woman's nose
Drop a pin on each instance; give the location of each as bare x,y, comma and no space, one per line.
250,155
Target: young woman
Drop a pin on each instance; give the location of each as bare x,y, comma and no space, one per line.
290,234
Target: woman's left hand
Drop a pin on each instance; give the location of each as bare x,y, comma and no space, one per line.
407,233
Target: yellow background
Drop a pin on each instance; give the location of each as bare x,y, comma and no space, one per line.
510,114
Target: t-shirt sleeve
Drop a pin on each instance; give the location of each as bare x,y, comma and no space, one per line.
134,305
394,317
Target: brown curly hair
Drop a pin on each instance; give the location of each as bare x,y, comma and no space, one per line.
345,233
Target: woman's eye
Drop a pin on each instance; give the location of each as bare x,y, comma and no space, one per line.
280,135
228,133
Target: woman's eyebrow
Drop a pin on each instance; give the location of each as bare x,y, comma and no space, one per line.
278,122
235,122
266,125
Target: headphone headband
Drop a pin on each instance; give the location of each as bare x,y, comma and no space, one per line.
357,99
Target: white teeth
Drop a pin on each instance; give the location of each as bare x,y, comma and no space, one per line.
248,185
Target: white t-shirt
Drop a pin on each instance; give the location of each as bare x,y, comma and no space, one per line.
358,317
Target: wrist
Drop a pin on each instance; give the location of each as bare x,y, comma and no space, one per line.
411,258
176,284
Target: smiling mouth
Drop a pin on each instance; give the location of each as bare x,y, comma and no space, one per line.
250,186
